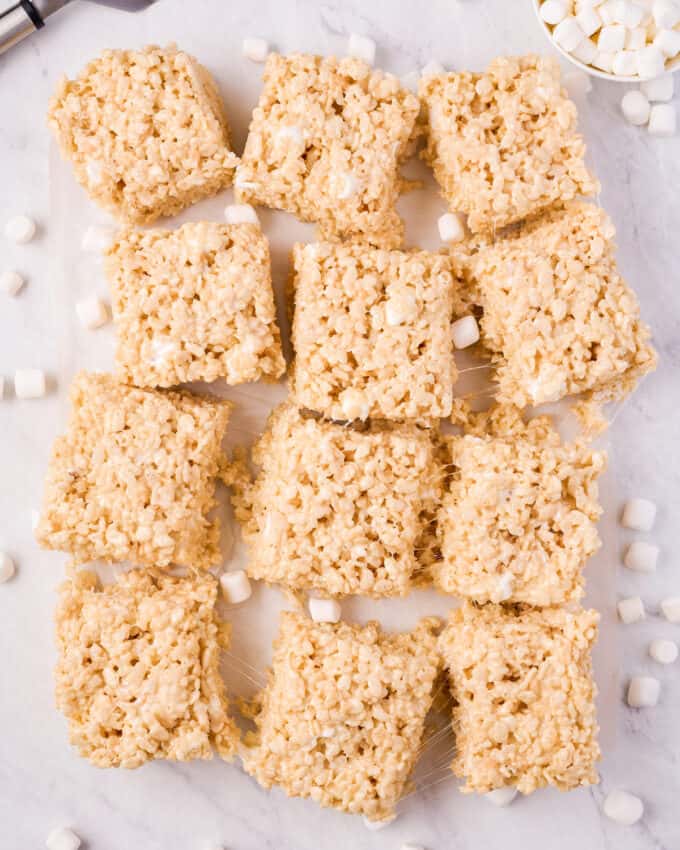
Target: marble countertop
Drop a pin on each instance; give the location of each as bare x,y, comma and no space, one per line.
181,807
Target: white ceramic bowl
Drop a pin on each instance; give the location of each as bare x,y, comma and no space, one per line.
673,66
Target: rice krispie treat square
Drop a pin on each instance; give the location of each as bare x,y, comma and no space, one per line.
343,713
517,523
145,131
372,332
325,143
503,144
134,476
524,710
137,675
558,318
194,304
338,509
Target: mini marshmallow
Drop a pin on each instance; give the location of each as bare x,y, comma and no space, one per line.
568,34
11,282
354,404
410,846
29,383
7,567
604,61
643,692
612,38
670,608
361,47
465,332
638,514
501,796
609,11
631,610
554,11
62,838
585,52
96,239
349,185
651,62
659,90
324,610
375,825
451,228
433,69
235,587
636,38
641,557
622,807
663,651
255,49
625,63
662,120
577,83
20,229
666,14
240,214
635,108
35,519
589,20
629,14
400,309
92,312
668,42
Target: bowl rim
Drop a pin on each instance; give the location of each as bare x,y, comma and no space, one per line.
595,72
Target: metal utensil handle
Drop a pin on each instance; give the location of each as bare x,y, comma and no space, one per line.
17,22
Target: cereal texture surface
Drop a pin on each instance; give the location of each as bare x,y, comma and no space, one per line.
372,332
145,132
503,144
524,711
194,304
134,476
338,509
325,143
137,673
558,317
343,713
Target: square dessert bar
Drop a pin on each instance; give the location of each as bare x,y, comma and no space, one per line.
503,144
517,523
134,476
558,318
145,131
137,675
194,304
325,143
343,713
372,332
338,509
524,711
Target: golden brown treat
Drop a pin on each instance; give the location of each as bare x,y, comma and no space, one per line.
137,674
558,317
372,332
134,476
337,509
524,711
343,713
325,143
194,304
145,132
503,144
517,523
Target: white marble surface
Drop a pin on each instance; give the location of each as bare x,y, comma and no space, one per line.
42,782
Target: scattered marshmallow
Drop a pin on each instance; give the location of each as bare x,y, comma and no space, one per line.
622,807
663,651
255,49
611,38
235,586
324,610
651,62
361,47
625,63
501,796
662,120
7,567
35,519
96,239
62,838
20,229
577,83
29,383
631,610
92,312
635,108
638,514
433,69
11,282
643,692
240,214
554,11
659,90
451,227
375,825
465,332
410,846
670,608
668,42
568,34
666,13
641,556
